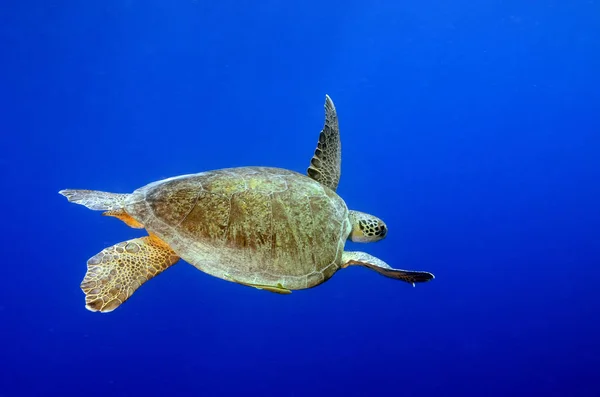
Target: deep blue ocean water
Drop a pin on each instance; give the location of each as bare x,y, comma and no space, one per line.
471,127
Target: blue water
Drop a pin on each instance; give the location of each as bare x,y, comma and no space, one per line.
471,128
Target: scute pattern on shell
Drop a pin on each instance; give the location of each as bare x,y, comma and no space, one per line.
254,224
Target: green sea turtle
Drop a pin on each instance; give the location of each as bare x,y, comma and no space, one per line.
269,228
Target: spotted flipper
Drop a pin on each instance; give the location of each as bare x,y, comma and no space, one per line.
116,272
325,166
278,289
364,259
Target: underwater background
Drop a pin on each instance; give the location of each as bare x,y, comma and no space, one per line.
471,127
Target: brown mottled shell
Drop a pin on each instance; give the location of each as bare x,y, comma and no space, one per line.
255,225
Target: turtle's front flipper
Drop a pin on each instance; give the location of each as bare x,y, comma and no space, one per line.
116,272
325,166
364,259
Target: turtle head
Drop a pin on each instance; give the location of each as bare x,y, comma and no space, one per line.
366,228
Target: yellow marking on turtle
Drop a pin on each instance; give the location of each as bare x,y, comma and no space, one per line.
278,289
125,217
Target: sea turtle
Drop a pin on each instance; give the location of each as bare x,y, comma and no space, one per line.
268,228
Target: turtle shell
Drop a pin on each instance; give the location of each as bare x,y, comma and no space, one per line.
254,225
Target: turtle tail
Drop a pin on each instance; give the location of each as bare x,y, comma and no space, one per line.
95,200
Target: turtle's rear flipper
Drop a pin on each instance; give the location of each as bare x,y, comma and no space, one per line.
364,259
116,272
95,200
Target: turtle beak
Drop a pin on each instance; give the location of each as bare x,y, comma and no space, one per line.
381,230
